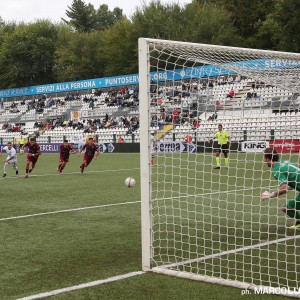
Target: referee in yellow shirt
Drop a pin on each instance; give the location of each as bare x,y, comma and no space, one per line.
223,146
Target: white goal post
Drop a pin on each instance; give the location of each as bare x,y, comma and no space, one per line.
202,216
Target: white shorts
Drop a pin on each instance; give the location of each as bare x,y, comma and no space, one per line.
13,162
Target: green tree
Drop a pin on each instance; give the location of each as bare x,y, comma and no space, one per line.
82,16
281,29
159,20
193,23
120,48
210,24
247,16
6,29
78,56
106,18
27,55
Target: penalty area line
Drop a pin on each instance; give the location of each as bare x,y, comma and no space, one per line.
67,210
68,173
82,286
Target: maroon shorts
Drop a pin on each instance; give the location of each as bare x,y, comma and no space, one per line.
63,159
87,159
32,159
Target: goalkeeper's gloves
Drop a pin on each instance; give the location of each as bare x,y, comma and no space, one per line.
267,195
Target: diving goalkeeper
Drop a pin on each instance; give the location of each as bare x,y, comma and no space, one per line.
288,176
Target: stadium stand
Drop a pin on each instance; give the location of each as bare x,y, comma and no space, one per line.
111,113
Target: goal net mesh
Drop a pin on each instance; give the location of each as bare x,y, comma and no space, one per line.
211,223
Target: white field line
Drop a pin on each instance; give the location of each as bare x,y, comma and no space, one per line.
81,286
120,277
67,210
70,173
203,258
116,204
217,192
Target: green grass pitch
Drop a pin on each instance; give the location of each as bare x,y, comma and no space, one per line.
52,251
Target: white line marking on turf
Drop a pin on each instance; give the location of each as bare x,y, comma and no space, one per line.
70,173
216,192
82,286
67,210
108,205
203,258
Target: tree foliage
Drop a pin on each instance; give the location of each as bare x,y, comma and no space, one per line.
209,24
246,16
85,18
82,16
27,55
281,29
78,56
106,18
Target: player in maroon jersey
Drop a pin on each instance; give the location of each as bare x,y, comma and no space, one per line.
65,150
33,154
90,149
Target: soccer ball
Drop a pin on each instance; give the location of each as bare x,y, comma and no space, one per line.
130,182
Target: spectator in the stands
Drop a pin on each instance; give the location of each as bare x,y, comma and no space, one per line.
221,80
188,139
91,104
229,79
196,123
230,94
175,116
1,103
162,112
252,93
14,110
237,78
120,140
213,117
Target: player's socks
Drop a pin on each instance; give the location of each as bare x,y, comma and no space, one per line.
5,168
16,169
62,167
82,168
226,161
296,226
30,170
27,171
218,161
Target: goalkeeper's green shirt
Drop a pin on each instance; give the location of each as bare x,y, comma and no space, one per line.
222,137
287,173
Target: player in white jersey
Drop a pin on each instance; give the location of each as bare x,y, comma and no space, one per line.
11,158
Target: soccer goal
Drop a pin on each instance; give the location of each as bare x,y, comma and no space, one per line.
202,216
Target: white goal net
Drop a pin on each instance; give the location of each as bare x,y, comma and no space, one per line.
202,215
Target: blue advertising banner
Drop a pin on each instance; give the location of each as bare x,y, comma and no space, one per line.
132,79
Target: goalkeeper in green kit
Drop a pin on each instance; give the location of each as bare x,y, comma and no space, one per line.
288,176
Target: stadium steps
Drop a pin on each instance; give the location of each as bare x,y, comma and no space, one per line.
239,96
162,132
